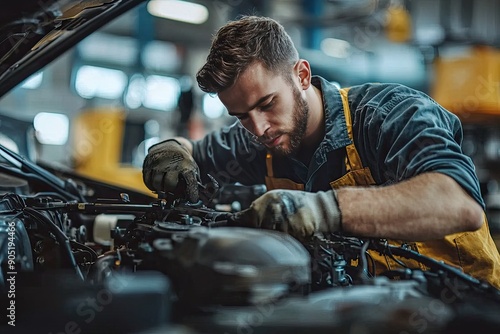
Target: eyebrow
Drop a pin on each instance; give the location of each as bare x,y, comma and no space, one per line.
259,102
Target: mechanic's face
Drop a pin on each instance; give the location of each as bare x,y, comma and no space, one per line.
269,107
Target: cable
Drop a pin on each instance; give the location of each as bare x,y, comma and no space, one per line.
49,194
364,264
12,202
85,248
60,236
433,264
402,264
374,267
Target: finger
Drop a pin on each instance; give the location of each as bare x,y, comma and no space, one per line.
146,164
157,181
146,178
273,218
192,193
150,180
170,181
246,218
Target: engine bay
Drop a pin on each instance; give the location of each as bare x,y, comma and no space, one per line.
80,257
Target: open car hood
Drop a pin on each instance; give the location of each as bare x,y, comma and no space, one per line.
33,32
83,256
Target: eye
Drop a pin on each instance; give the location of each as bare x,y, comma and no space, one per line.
267,106
241,117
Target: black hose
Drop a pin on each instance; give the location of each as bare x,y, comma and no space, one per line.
431,263
60,236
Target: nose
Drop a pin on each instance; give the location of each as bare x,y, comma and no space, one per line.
259,124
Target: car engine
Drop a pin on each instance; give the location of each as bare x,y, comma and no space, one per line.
82,257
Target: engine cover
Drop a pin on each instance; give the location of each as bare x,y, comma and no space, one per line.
233,266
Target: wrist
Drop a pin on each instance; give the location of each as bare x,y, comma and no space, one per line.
336,201
331,217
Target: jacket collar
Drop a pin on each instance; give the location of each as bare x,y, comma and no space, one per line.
335,124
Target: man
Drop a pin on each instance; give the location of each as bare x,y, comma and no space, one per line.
375,160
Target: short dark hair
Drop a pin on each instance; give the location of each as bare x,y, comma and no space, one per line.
239,44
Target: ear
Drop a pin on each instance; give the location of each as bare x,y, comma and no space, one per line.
302,71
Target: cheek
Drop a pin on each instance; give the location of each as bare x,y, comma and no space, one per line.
285,113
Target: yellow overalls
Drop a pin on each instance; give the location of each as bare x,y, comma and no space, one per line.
474,252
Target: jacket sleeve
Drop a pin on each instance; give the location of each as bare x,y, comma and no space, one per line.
404,132
229,155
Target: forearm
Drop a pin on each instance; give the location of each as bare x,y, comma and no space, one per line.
428,206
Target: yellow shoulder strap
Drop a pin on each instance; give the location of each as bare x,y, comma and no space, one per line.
352,153
269,164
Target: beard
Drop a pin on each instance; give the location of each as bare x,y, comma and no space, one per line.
299,125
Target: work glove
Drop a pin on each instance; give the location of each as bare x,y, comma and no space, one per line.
166,165
295,212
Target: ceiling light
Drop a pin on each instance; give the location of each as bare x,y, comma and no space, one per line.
183,11
212,106
33,82
334,47
46,122
94,81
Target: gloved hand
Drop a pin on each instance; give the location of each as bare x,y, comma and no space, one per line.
295,212
165,164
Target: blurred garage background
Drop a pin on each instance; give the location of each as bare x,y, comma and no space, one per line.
99,107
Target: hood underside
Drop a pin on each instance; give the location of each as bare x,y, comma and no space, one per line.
35,32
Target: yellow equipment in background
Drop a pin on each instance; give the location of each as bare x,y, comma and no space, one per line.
398,24
469,84
97,142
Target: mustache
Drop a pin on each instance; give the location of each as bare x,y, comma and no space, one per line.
268,137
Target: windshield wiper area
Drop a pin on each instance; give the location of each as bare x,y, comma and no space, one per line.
23,168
